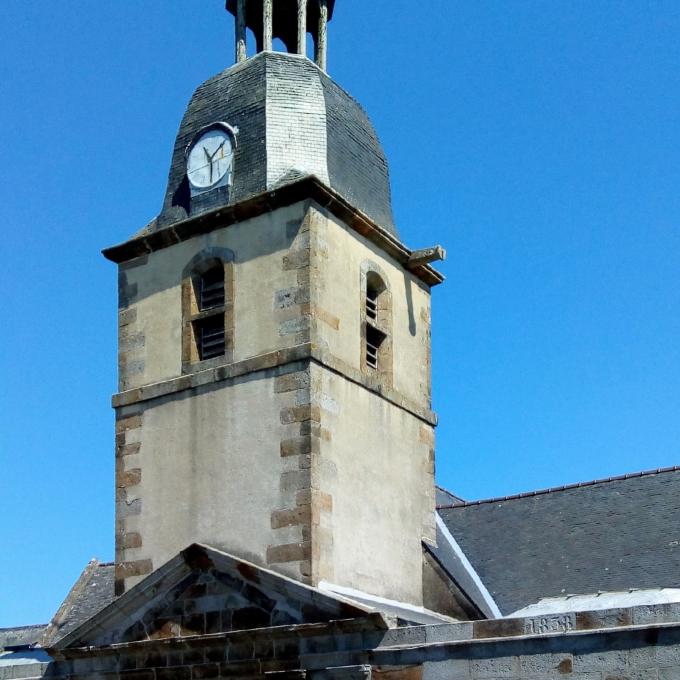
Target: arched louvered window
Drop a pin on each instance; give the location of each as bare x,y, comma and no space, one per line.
209,327
208,295
375,335
377,322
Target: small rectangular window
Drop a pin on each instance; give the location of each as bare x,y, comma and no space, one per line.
210,337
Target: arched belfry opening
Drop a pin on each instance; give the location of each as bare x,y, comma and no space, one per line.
288,20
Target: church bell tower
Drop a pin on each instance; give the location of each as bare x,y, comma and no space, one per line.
274,335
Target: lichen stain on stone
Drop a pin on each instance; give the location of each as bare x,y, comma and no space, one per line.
565,666
248,572
197,558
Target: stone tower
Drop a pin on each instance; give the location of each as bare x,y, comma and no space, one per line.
274,335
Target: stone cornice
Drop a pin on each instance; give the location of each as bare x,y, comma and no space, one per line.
262,362
308,188
390,645
374,622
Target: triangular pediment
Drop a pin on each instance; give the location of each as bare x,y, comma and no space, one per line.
205,591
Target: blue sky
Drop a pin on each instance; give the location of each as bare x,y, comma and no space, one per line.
539,142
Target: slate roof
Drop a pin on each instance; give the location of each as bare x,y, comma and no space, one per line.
453,563
93,591
444,497
606,535
293,121
20,636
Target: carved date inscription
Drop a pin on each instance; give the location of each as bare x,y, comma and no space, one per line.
540,625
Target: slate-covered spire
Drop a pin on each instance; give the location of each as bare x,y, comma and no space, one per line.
288,20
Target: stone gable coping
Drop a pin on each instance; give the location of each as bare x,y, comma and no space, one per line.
147,611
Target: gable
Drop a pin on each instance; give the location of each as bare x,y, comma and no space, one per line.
204,591
211,601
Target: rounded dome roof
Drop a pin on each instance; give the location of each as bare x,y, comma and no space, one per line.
292,121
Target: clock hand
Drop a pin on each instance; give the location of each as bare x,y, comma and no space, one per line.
218,148
210,162
211,157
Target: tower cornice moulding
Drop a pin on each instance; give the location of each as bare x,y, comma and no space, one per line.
308,188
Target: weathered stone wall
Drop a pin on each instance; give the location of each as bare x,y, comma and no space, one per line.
150,296
341,259
372,463
206,465
641,643
262,452
201,461
628,644
376,467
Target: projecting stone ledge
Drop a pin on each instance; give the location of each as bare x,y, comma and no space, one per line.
308,188
285,360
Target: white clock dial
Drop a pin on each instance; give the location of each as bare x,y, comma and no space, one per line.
210,158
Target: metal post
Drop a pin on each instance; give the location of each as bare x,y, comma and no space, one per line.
302,28
268,25
241,51
322,40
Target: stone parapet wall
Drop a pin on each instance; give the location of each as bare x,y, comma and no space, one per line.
26,671
642,643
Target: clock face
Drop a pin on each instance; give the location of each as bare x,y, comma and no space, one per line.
210,158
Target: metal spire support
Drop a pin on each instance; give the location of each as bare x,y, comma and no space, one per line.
302,27
322,38
241,48
267,25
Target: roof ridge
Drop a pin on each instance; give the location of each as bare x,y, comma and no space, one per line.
565,487
446,491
